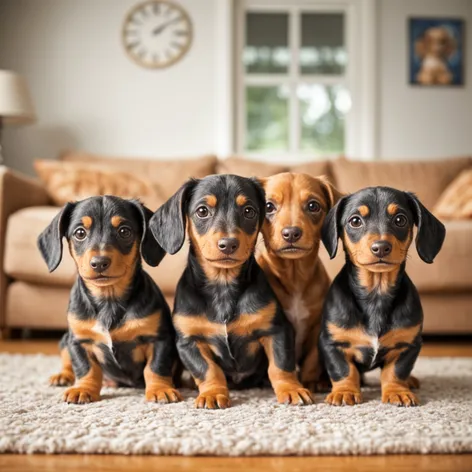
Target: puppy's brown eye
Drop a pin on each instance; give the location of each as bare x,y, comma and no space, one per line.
355,222
202,212
124,232
400,220
80,234
270,208
313,206
249,213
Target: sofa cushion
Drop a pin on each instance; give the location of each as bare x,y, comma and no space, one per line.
26,307
24,262
72,181
249,168
315,168
450,272
169,174
456,201
427,179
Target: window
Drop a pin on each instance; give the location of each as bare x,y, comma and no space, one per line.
294,87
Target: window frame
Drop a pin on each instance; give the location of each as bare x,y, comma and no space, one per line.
359,76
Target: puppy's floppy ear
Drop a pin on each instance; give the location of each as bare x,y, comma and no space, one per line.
50,240
431,232
330,229
451,45
150,249
421,45
261,197
168,222
333,195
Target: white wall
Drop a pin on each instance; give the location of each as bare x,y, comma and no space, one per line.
90,96
420,122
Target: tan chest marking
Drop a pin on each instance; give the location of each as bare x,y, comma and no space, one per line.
244,325
129,331
397,337
357,338
247,323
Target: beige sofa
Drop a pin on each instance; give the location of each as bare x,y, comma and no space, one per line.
30,297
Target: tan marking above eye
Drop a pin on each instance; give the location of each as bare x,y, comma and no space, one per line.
308,196
116,221
392,209
211,200
277,198
363,210
87,221
241,200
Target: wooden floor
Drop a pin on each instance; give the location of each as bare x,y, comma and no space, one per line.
85,463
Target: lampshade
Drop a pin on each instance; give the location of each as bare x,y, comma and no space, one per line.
16,107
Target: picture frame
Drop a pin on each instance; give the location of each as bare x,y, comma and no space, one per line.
436,50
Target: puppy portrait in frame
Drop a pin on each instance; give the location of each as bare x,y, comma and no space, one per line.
436,48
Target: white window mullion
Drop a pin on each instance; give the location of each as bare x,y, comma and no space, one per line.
240,88
324,79
294,112
265,80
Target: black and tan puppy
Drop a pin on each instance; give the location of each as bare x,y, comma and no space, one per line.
372,316
230,326
119,322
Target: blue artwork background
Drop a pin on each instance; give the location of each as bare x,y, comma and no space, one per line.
456,27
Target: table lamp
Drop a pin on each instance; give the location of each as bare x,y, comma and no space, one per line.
16,107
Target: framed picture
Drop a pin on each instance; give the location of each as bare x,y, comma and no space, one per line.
436,51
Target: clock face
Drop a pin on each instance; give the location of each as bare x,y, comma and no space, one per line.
157,33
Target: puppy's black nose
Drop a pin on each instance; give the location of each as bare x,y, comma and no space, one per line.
291,234
228,246
100,263
381,248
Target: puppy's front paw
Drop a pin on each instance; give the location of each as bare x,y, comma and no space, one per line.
344,397
163,395
80,395
213,400
63,379
400,398
294,396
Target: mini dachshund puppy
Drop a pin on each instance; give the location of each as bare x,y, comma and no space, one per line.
119,321
372,315
230,326
296,206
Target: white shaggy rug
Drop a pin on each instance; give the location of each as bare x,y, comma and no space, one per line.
33,419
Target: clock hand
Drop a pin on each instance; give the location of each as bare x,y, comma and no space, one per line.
162,27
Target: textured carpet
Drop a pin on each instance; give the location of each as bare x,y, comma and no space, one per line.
34,419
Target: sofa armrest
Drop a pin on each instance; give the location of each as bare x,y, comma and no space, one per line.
17,191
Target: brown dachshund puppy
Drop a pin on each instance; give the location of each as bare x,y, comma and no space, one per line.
296,205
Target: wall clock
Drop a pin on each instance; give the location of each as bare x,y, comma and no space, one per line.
157,34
